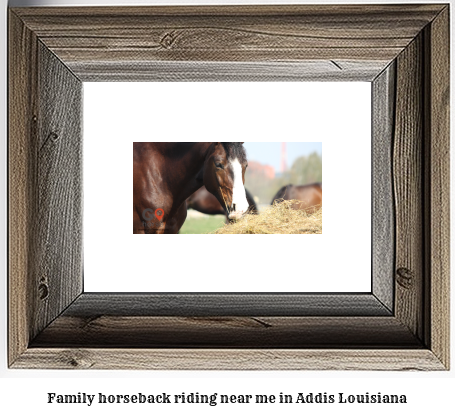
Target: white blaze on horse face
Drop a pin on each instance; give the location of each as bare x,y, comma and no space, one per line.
238,192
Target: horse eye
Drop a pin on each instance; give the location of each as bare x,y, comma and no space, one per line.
219,165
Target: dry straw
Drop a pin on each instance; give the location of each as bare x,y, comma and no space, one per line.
281,218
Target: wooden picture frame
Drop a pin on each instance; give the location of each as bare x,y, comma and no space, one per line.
403,324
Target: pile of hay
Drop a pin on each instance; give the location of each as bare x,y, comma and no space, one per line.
280,218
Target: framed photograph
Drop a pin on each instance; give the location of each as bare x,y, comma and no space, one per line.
400,323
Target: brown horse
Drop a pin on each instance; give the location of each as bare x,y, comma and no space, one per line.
203,201
310,196
166,174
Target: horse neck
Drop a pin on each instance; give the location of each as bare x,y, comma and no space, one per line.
186,160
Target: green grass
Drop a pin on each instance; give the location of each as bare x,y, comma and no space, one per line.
205,224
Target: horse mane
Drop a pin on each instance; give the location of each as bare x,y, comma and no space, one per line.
235,150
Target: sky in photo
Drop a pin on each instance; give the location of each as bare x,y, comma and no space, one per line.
270,153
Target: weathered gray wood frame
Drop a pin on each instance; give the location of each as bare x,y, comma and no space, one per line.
403,50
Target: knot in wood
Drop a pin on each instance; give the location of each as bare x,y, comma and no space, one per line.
168,39
43,291
77,359
53,136
405,278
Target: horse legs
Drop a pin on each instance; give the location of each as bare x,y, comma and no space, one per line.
175,222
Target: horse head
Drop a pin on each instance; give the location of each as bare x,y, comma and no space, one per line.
224,176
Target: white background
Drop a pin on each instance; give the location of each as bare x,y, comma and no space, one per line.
337,114
25,390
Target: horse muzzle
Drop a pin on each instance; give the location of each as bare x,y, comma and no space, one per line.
236,215
237,211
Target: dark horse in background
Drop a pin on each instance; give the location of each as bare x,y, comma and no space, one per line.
309,195
203,201
166,174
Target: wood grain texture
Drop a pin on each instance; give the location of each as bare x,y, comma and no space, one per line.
407,173
308,71
438,197
228,34
226,321
235,359
57,270
212,305
383,215
22,95
223,332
